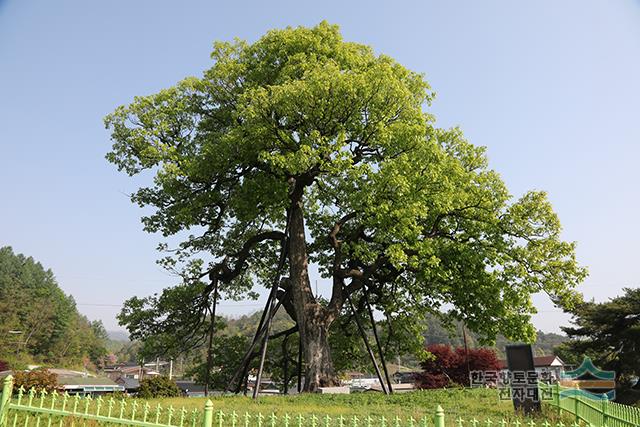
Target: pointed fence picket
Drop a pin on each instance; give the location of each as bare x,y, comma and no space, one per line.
43,409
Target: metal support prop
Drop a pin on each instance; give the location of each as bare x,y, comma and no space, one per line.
212,331
366,343
375,335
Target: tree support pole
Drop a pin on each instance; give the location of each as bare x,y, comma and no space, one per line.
212,330
262,318
299,362
245,380
241,372
375,335
274,290
366,343
246,360
263,351
285,367
271,311
466,351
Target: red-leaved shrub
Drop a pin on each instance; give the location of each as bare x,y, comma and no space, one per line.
448,366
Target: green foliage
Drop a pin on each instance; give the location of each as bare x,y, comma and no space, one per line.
38,379
129,352
39,323
609,333
231,342
417,215
158,386
227,355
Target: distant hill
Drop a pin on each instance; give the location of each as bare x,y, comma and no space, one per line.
436,333
39,323
118,335
246,324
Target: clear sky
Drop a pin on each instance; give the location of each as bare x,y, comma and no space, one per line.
552,88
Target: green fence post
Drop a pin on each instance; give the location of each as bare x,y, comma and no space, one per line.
605,403
557,397
7,391
576,408
438,419
208,414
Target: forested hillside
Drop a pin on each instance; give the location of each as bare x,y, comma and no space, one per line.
436,333
39,323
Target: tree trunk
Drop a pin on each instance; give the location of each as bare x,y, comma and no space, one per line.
315,341
313,319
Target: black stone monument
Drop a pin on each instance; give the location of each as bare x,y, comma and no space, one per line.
523,379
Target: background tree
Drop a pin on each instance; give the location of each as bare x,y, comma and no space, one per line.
305,144
609,333
158,386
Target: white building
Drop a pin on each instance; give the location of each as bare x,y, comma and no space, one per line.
547,367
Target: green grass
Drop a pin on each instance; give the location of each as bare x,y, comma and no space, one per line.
467,403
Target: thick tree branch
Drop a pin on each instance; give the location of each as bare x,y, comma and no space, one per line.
337,295
221,271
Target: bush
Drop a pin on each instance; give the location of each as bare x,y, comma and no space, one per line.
158,386
38,379
447,366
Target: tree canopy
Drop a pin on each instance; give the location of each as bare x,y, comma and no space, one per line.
306,143
609,333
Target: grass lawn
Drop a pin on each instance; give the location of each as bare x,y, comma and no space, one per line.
466,403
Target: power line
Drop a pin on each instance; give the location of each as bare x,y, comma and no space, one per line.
120,305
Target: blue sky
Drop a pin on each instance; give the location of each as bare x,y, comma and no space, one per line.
552,88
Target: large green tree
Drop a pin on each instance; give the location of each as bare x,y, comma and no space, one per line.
306,142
